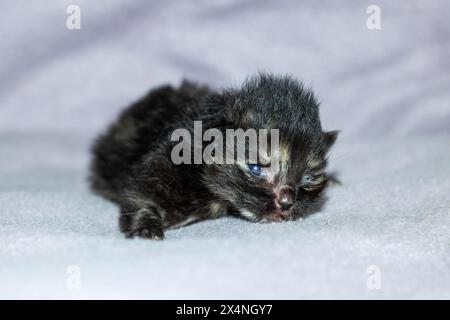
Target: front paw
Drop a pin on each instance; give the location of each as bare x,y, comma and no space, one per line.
144,223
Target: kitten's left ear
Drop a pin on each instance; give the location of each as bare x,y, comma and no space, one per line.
329,138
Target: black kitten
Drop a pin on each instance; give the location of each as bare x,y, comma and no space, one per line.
132,163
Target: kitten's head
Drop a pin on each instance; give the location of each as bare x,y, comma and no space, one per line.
294,182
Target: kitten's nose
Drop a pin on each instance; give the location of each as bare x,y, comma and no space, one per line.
286,197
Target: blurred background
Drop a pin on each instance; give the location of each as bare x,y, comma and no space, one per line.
392,81
386,89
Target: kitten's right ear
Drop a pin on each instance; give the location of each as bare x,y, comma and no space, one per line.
329,138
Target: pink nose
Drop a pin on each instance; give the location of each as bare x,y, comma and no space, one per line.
285,198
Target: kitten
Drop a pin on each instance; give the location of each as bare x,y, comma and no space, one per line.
132,163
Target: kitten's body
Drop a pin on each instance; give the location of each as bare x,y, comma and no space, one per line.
132,165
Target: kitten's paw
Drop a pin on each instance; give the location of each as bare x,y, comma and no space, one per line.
144,223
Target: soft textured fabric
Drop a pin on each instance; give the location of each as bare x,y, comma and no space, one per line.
387,90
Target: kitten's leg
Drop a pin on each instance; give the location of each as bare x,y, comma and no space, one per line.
145,223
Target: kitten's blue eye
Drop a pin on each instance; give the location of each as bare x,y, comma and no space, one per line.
255,169
307,179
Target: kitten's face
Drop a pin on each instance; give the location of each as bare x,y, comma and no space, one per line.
295,182
292,186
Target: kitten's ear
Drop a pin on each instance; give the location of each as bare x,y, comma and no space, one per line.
329,138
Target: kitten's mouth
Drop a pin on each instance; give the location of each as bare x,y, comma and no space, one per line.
277,216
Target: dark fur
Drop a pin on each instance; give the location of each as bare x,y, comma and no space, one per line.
132,165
